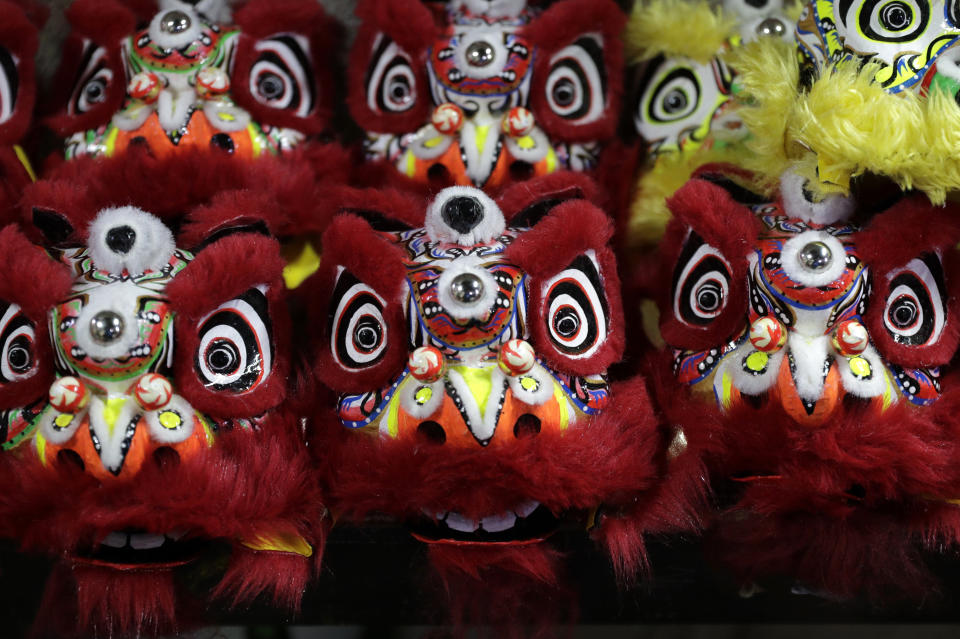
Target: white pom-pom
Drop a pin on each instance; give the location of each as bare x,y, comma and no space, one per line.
464,216
128,238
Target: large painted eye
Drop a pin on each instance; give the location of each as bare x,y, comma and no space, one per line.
236,351
893,20
675,97
701,283
282,75
358,332
576,86
94,80
391,82
9,85
577,309
17,340
915,309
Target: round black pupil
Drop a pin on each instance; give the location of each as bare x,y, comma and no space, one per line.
566,323
19,357
675,101
563,93
399,89
896,16
271,86
94,90
222,358
367,334
708,297
904,313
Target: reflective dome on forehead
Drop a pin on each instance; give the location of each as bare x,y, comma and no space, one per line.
914,40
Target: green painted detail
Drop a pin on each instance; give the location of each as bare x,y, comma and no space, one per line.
22,435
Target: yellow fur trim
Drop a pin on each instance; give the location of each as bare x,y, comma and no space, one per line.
676,28
844,125
648,210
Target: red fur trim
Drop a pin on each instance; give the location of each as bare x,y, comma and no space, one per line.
261,19
552,188
885,247
220,272
722,223
281,576
13,180
294,183
871,552
24,263
505,587
678,504
19,36
569,230
559,26
106,23
608,459
375,203
410,24
353,244
124,603
219,495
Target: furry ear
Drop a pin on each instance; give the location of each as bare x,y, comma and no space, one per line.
704,258
282,71
525,204
362,341
914,317
90,84
389,91
577,79
18,47
30,284
575,307
233,328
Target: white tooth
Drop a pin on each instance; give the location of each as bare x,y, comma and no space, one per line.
115,540
176,534
498,523
434,514
456,521
145,541
526,508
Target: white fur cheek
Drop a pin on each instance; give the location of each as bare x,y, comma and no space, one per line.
832,209
489,228
746,381
810,359
532,154
59,435
875,385
477,310
184,418
151,248
795,270
417,410
542,386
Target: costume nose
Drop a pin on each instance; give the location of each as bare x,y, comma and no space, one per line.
106,327
120,239
462,213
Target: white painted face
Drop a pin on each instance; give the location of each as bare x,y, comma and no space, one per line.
912,38
679,101
491,8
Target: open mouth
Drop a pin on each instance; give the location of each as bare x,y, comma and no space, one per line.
132,548
525,523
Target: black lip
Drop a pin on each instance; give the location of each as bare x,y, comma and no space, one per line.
538,525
